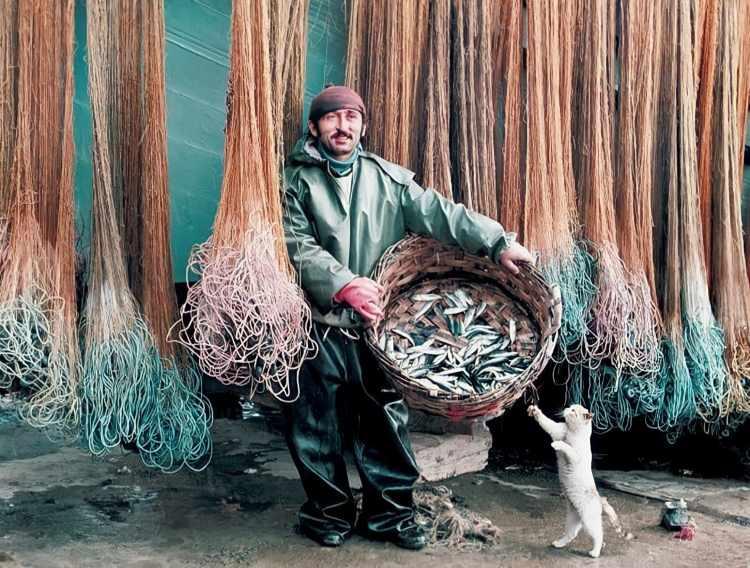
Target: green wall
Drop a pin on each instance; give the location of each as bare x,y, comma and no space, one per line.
197,43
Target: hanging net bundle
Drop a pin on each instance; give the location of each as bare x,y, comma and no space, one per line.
472,107
694,374
8,53
432,126
743,106
730,289
288,51
247,320
615,333
132,388
622,389
549,220
388,83
433,93
510,136
706,52
38,340
180,423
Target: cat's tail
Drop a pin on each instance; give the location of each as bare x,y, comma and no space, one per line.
613,520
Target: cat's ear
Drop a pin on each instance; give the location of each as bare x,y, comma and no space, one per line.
588,416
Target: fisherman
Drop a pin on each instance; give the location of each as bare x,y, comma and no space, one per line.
343,208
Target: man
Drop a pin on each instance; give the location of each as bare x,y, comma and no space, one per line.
344,207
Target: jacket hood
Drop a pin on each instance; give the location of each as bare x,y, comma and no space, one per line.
305,152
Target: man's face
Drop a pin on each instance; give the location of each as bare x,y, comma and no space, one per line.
339,132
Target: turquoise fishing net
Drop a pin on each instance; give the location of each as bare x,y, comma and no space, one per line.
129,394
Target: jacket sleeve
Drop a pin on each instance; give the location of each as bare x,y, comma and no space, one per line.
320,273
428,213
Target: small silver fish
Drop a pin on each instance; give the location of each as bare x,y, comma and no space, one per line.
465,298
480,309
423,311
469,317
421,347
455,311
403,334
426,297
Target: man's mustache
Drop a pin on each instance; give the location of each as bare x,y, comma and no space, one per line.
342,133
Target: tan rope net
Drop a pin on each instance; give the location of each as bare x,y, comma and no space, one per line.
132,390
510,140
614,330
288,50
432,150
730,290
248,323
8,53
634,142
708,27
472,107
383,54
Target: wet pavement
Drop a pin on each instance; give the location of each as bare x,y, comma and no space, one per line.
59,506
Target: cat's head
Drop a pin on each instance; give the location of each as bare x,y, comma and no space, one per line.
577,416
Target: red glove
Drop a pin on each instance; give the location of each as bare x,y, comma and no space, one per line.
363,295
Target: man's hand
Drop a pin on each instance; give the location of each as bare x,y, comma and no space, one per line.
364,295
514,254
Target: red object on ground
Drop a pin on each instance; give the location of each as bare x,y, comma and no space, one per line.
686,533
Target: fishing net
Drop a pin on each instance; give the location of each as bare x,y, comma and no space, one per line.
432,152
706,61
730,290
613,332
743,103
247,320
472,107
38,343
548,220
622,388
288,49
510,137
8,53
620,342
133,391
450,525
432,97
388,83
693,375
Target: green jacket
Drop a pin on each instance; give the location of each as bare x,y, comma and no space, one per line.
332,240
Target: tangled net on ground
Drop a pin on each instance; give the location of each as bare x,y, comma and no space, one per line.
450,525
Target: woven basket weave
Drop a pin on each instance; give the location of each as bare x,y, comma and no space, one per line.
420,265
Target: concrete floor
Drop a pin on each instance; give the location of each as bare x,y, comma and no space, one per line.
59,507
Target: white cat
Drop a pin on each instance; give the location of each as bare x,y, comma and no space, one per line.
572,443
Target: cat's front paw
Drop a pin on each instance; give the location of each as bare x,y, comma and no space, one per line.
594,553
533,410
560,543
557,445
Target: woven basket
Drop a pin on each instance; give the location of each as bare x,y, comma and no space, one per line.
419,265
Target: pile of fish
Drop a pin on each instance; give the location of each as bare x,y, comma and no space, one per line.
451,348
